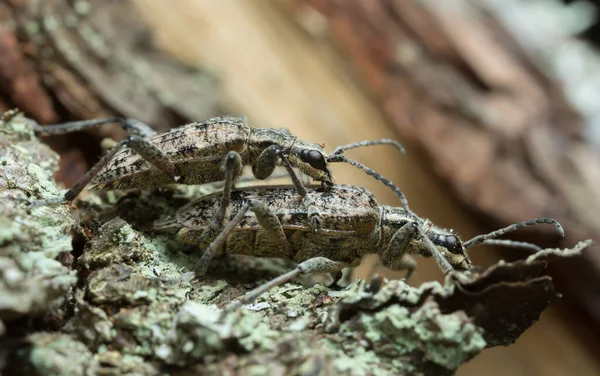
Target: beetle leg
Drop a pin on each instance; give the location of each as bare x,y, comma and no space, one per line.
310,266
395,253
154,156
149,152
263,168
266,162
408,263
137,141
211,251
233,168
393,257
271,224
266,218
313,214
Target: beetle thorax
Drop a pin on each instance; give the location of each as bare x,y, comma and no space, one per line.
447,243
307,157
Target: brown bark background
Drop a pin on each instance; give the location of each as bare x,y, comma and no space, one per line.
70,60
488,108
473,106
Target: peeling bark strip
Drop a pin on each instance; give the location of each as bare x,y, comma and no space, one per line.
485,104
127,316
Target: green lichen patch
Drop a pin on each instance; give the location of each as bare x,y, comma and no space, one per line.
400,329
32,282
50,354
116,234
90,325
197,332
423,336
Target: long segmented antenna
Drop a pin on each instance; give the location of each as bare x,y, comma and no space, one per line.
383,141
132,126
373,173
511,244
514,227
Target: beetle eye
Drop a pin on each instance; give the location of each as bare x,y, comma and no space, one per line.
315,159
450,242
453,245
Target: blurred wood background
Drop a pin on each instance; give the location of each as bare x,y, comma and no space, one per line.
332,72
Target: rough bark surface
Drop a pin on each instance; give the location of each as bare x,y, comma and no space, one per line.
131,313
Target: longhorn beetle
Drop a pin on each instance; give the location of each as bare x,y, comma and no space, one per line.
268,222
205,152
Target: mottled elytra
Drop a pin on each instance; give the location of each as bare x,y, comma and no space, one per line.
268,222
206,152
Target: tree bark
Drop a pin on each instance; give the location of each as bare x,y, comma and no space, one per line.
122,306
66,60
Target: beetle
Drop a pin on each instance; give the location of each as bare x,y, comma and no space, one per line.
204,152
268,222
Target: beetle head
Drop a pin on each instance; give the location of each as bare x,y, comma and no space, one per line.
452,249
311,160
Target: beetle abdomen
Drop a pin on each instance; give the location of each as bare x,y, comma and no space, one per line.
343,210
196,149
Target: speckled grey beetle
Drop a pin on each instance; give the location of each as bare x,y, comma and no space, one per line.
205,152
268,222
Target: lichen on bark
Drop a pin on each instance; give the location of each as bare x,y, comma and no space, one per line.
33,282
131,313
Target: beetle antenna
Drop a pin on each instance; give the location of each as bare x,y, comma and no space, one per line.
494,234
373,173
383,141
511,244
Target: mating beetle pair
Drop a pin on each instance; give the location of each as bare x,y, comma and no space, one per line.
322,230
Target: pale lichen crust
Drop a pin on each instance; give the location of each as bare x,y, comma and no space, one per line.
127,307
32,280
